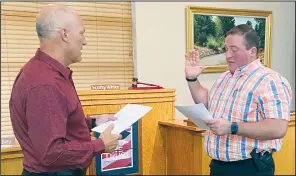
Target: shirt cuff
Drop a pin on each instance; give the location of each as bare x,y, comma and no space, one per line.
93,123
99,146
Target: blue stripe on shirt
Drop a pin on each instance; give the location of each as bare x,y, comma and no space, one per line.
246,112
242,86
278,102
210,104
214,115
229,119
262,106
286,94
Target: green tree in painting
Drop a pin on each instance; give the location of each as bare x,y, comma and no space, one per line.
222,25
249,23
227,23
216,42
203,28
260,29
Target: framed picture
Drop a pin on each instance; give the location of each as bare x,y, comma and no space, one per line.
207,28
125,159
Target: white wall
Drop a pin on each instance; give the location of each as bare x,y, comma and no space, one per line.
161,42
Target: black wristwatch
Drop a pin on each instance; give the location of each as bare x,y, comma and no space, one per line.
234,128
191,80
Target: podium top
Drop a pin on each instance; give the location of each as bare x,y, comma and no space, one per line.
112,92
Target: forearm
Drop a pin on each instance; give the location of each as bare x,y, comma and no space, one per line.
71,154
267,129
198,93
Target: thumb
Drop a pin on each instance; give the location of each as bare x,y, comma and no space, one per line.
202,68
110,127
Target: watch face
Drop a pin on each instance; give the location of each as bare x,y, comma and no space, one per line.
234,128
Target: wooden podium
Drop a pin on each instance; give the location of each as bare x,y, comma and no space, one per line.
152,157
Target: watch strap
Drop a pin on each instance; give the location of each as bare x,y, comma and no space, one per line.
234,128
191,79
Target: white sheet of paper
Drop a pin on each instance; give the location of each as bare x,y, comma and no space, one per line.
197,113
127,116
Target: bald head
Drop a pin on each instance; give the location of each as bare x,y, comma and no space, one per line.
61,33
53,17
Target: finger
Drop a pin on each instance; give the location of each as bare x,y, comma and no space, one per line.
186,56
197,54
187,61
209,122
203,68
110,127
119,137
112,118
191,55
212,127
214,130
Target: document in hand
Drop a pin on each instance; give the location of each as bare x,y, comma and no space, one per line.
197,113
126,117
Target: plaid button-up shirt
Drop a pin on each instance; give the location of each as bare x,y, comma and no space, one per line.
251,94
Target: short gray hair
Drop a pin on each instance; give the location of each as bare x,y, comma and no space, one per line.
48,22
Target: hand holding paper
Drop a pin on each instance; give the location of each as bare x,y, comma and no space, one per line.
197,113
127,116
110,140
219,126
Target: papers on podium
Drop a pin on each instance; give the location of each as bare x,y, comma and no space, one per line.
197,113
127,116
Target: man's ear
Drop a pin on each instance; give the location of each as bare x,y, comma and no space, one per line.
253,51
64,35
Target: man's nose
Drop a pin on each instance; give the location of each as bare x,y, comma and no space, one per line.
84,42
228,54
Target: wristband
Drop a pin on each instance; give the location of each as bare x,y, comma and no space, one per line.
191,80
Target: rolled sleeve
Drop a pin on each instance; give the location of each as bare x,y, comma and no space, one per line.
275,99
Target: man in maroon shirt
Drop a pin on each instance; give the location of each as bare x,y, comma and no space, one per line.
46,114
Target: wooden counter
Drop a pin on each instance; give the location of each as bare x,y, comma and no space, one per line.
12,161
151,145
185,153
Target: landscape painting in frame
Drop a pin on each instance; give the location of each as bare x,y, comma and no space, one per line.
207,28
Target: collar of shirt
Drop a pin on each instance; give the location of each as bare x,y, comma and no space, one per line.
246,69
66,72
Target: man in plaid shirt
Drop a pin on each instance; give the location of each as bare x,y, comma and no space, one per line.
250,105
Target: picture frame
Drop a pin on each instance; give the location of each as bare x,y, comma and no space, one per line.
125,160
207,27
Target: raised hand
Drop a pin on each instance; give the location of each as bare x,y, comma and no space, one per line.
110,140
192,65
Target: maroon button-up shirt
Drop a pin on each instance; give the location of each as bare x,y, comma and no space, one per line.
48,119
